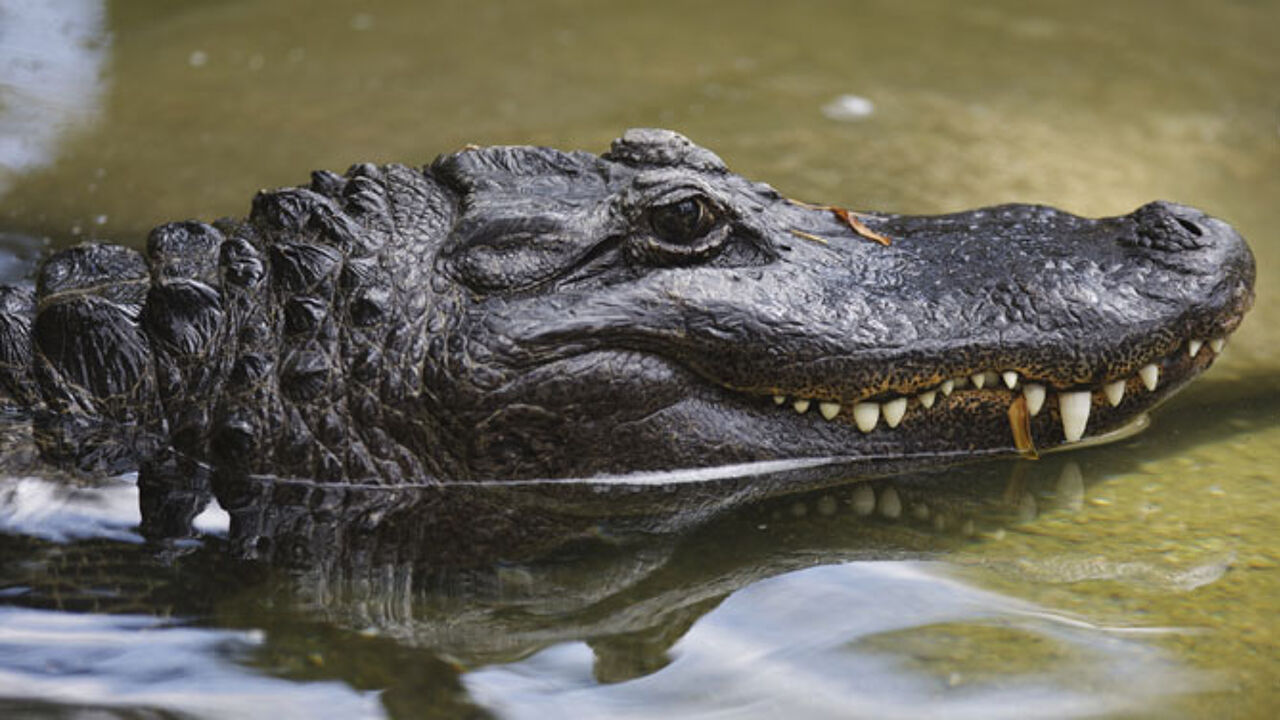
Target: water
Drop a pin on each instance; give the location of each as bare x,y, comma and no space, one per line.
1139,579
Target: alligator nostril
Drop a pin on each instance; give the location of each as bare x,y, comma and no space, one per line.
1169,227
1190,227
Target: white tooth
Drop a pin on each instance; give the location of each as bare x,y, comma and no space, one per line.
1150,375
927,398
801,406
1074,407
1193,347
866,415
1217,344
1010,379
947,386
991,378
779,399
829,409
1035,397
1114,392
979,379
894,410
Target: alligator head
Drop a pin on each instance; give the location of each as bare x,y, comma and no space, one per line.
650,309
519,312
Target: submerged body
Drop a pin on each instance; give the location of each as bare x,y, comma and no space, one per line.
524,313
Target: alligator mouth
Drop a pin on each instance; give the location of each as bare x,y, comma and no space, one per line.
1041,412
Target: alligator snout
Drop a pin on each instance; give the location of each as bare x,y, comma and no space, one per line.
1196,250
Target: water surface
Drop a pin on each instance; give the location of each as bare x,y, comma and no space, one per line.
1140,579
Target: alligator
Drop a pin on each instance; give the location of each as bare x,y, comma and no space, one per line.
523,313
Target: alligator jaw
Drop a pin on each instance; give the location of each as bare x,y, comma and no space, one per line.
1042,416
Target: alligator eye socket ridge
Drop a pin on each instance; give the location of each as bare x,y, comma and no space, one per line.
682,222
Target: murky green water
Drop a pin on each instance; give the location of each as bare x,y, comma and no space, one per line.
1141,579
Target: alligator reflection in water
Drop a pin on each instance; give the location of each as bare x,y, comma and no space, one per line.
363,584
487,574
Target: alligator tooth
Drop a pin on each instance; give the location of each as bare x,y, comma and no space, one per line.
894,410
1074,407
1114,392
927,397
1193,347
947,386
991,378
1150,375
979,379
960,382
829,409
779,399
1020,426
1010,379
866,415
1035,397
1217,344
801,406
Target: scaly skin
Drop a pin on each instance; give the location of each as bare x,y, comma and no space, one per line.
517,312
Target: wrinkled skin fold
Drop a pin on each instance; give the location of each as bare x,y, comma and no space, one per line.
515,313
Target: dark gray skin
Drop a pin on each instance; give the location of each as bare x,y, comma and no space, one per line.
519,313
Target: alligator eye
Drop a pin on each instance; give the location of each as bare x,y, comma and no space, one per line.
683,221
